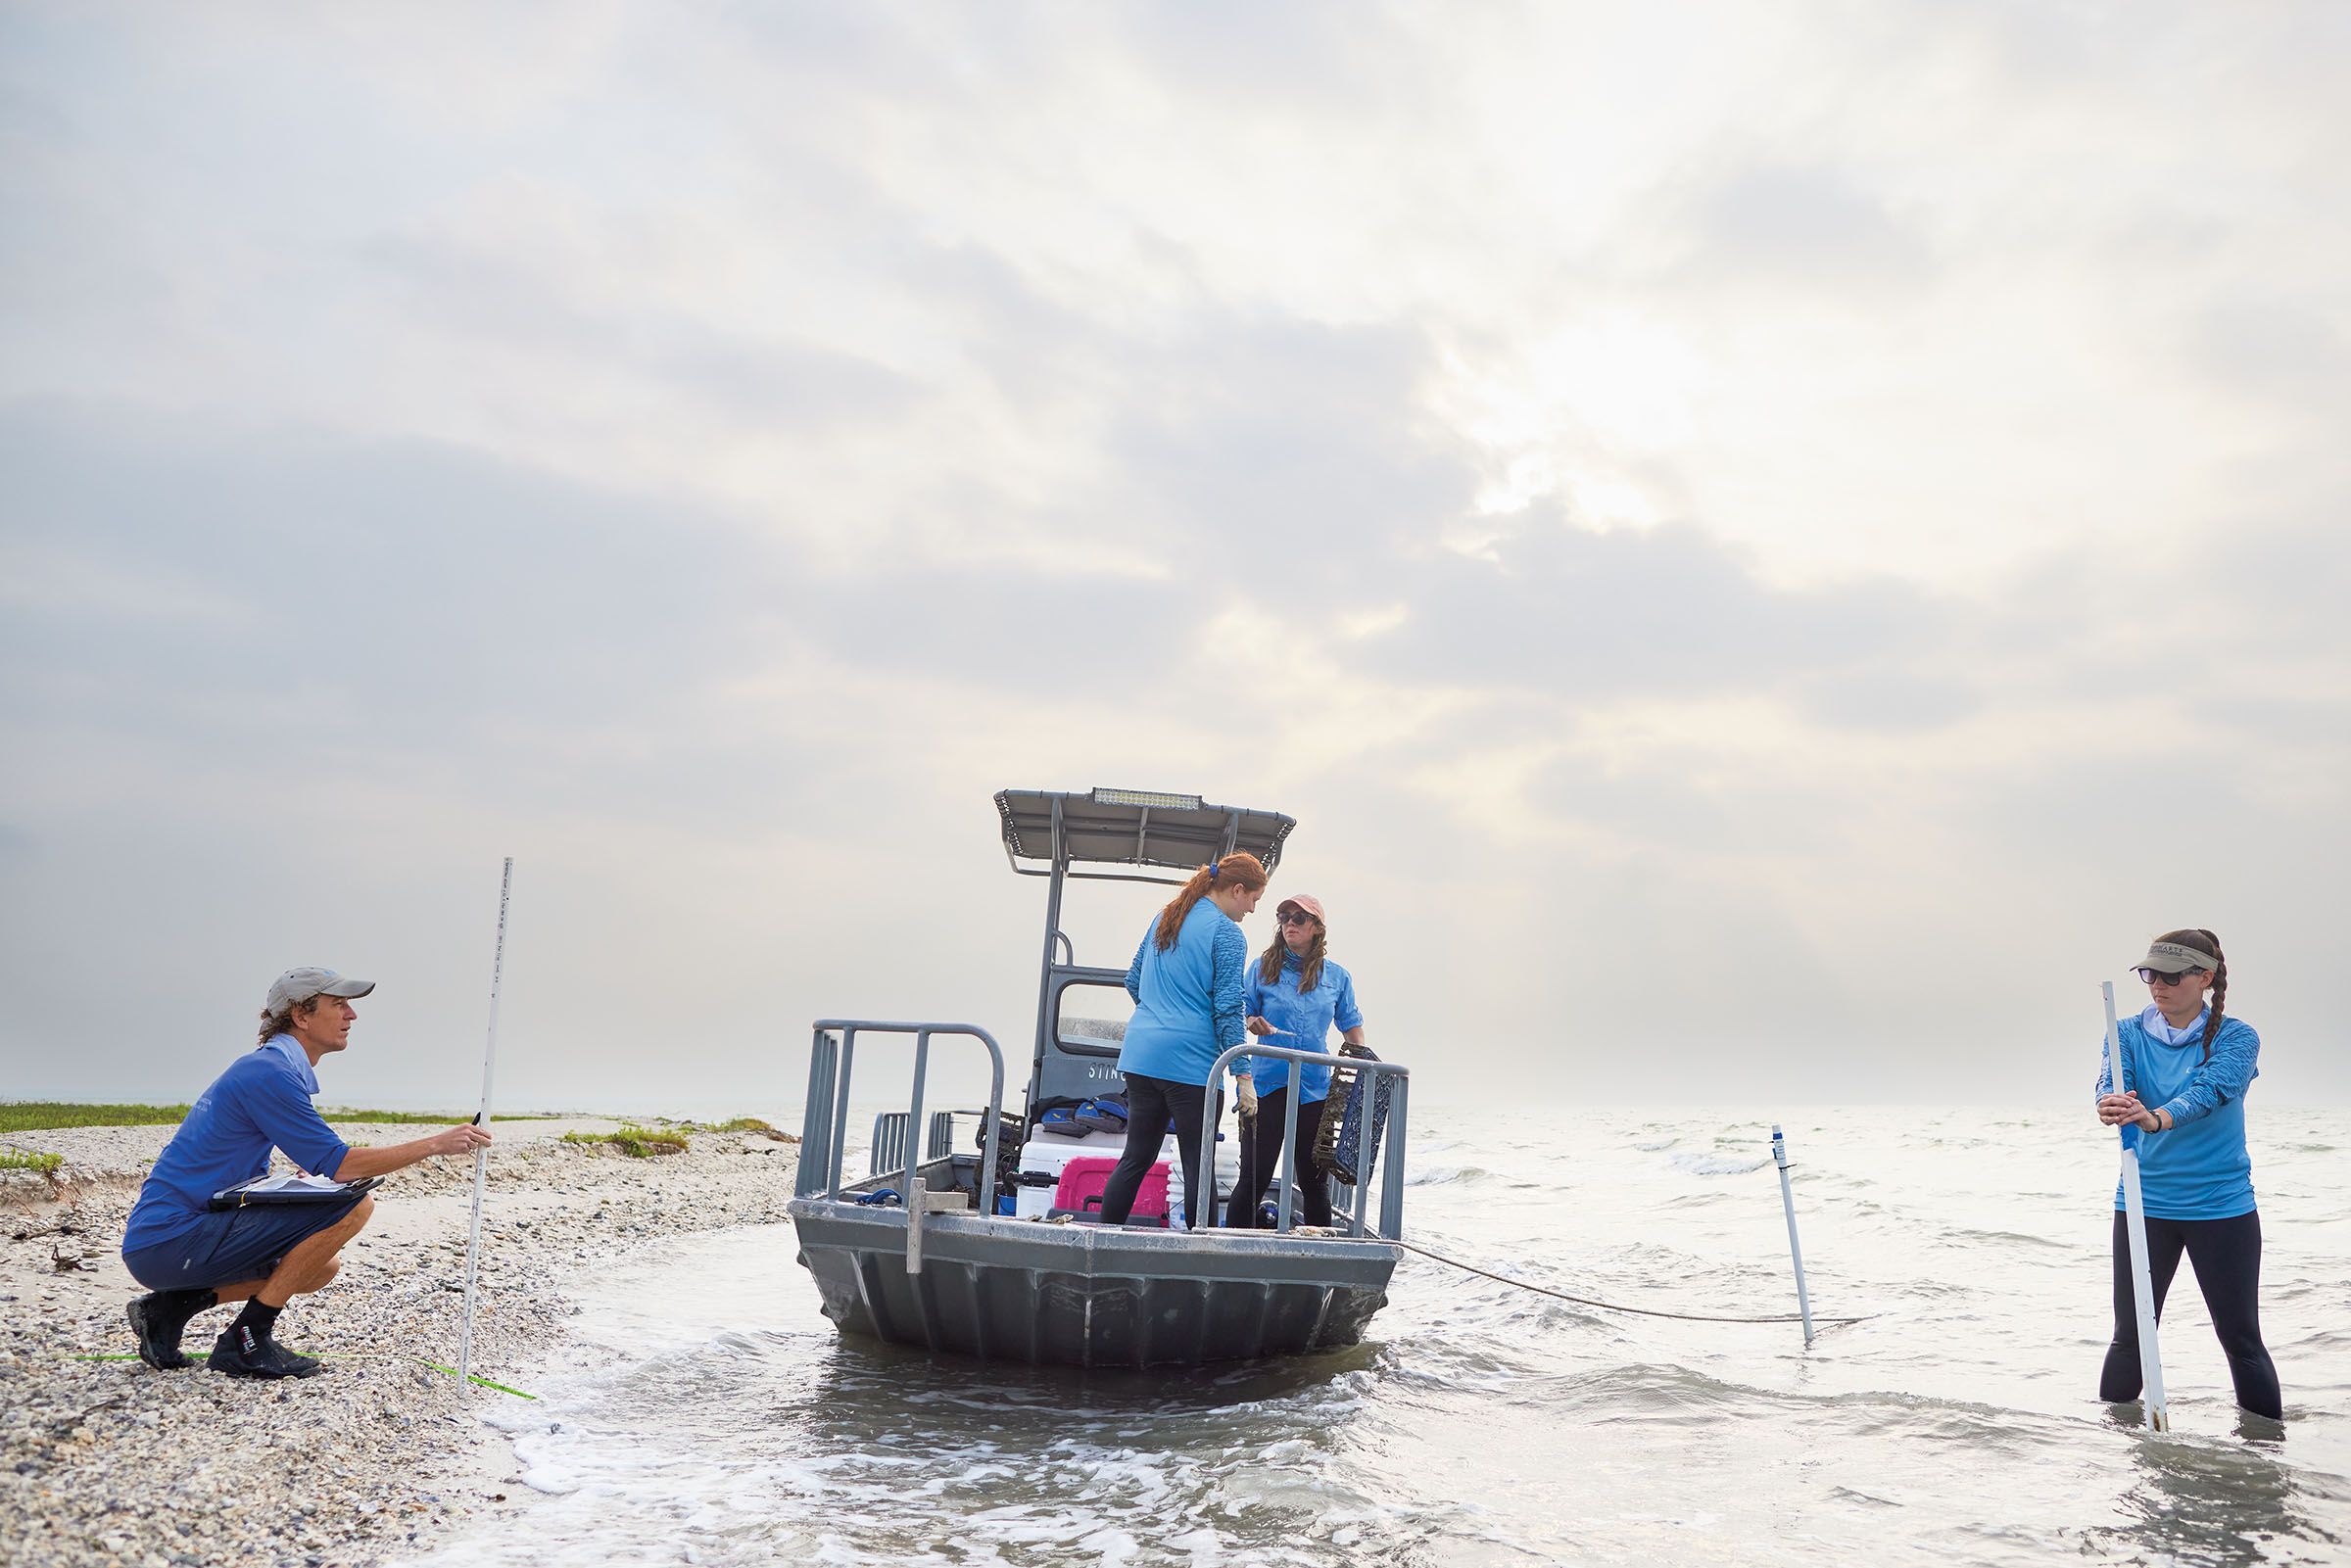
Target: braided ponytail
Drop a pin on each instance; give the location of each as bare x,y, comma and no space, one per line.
2220,993
1229,871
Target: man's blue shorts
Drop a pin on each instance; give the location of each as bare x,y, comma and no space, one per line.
230,1246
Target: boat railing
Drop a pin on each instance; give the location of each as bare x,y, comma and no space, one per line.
1391,1192
888,1149
825,1124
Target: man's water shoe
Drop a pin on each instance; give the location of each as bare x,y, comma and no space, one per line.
241,1352
157,1319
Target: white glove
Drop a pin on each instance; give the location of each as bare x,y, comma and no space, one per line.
1246,1099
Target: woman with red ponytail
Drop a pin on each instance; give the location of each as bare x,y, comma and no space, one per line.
1187,982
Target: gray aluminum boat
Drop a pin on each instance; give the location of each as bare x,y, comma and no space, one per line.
940,1266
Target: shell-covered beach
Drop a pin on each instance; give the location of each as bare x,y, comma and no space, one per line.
111,1463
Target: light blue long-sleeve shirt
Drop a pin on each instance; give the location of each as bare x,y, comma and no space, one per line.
2200,1169
1187,1000
1304,1017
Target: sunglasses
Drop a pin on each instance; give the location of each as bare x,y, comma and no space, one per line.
1296,916
2160,977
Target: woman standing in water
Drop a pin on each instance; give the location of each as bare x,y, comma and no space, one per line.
1295,995
2186,1067
1186,981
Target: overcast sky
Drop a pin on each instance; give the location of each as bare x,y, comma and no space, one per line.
1769,548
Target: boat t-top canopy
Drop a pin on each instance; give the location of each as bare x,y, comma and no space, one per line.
1131,827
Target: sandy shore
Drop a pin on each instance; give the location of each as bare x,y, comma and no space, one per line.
113,1462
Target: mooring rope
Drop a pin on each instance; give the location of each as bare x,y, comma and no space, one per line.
1612,1306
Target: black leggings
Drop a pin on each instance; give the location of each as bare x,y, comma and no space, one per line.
1150,1102
2227,1254
1261,1161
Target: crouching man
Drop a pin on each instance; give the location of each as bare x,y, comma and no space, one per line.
191,1255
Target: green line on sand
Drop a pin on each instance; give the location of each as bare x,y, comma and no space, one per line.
40,1116
356,1356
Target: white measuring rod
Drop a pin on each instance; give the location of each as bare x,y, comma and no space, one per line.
481,1118
2142,1284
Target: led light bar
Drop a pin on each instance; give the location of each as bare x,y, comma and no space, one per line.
1146,797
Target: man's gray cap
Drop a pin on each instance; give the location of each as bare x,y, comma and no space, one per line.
300,986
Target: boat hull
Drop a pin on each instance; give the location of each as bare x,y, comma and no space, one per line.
1089,1294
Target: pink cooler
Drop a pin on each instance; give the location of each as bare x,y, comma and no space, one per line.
1083,1182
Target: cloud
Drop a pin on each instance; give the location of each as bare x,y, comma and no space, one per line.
1702,516
1669,610
196,583
1809,227
2276,348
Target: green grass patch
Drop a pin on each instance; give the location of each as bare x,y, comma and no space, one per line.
26,1160
34,1115
742,1124
30,1115
638,1143
423,1117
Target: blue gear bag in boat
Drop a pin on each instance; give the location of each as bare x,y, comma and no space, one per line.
1106,1114
1060,1121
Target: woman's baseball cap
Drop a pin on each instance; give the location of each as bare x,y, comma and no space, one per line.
1305,901
300,986
2175,958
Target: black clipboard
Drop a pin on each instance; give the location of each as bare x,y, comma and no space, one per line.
242,1195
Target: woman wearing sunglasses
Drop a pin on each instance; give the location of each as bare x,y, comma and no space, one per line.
1295,996
2185,1068
1187,984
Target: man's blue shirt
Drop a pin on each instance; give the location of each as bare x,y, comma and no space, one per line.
2200,1169
1306,1016
1187,1000
263,1100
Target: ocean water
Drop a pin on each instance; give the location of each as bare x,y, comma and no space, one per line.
706,1414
